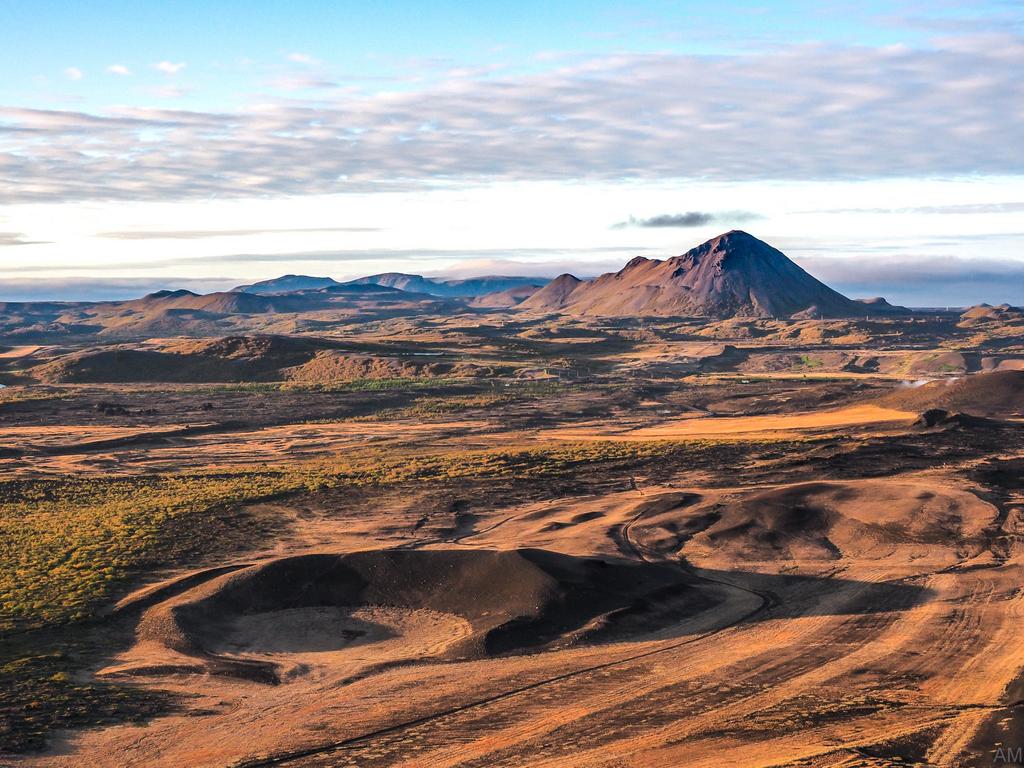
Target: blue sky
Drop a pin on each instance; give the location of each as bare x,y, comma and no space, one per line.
147,144
228,45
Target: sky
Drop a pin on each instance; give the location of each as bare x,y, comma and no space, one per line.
203,145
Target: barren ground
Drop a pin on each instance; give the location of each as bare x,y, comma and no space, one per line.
616,558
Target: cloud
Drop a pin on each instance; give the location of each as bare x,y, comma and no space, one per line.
16,238
171,91
114,289
687,220
119,69
943,210
395,255
195,234
292,82
913,268
538,256
170,68
311,75
73,73
923,281
803,112
584,266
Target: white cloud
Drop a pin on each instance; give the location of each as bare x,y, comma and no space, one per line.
15,238
171,91
193,234
301,58
73,73
803,112
170,68
93,289
301,82
118,69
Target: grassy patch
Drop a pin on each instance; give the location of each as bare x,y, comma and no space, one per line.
811,362
64,543
38,695
353,385
23,395
426,407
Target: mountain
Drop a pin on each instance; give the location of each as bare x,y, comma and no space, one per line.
733,275
221,302
504,299
467,288
554,295
184,313
287,284
879,306
986,313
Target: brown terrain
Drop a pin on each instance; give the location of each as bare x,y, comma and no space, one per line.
358,526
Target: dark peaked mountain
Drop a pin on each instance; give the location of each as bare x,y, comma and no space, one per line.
733,275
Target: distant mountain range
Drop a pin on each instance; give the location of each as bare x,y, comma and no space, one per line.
732,275
467,288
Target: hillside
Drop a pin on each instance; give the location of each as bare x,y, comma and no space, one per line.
259,357
986,314
555,295
222,302
998,393
232,358
502,299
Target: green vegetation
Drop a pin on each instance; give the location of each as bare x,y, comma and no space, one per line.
426,407
353,385
372,385
527,387
538,388
811,362
32,394
38,695
753,378
64,543
520,464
